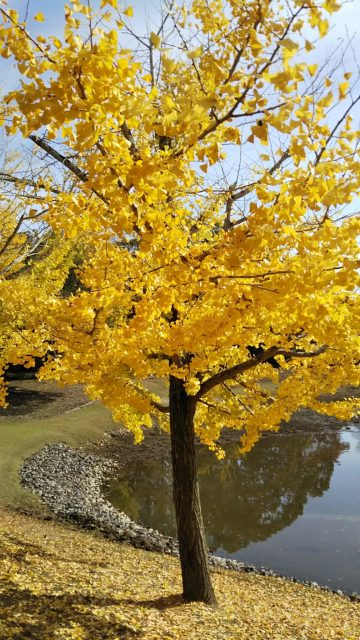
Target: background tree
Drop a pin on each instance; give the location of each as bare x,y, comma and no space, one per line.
193,262
34,264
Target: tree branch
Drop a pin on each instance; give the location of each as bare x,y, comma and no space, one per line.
302,354
45,146
246,190
28,36
79,173
160,407
227,374
7,177
337,125
12,235
240,99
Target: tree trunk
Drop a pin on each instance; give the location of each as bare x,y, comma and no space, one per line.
190,528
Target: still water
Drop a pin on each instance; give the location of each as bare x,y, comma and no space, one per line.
291,504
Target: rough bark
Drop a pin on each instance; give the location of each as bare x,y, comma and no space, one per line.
190,528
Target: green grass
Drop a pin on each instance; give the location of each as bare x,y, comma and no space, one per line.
19,438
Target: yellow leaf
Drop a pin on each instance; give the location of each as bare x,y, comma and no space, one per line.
155,40
129,12
168,102
232,134
169,65
260,131
204,167
312,69
133,122
343,87
112,3
331,5
39,17
196,53
323,27
254,43
289,45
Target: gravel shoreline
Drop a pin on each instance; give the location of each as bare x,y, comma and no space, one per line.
69,481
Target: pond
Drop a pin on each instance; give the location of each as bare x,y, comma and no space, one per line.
291,504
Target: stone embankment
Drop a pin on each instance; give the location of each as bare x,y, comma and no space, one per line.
70,483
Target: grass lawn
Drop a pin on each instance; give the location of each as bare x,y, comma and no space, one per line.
58,583
20,437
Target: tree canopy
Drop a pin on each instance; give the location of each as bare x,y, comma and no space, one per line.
188,269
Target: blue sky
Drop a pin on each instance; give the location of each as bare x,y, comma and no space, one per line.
343,23
146,12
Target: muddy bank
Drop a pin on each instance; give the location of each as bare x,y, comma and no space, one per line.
32,399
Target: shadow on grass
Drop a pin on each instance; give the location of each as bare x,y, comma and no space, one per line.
24,401
168,602
28,616
24,550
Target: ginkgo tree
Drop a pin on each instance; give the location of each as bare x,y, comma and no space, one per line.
194,258
33,265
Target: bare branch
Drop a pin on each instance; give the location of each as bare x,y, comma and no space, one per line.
7,177
249,114
337,125
45,146
229,389
246,190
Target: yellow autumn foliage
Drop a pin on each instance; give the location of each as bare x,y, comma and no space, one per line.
187,270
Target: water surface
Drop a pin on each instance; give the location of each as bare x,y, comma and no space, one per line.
291,504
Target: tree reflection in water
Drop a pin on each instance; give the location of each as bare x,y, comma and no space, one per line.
245,498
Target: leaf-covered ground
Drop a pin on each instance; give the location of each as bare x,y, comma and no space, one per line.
60,583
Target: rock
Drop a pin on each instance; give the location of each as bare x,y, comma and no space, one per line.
70,482
249,569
